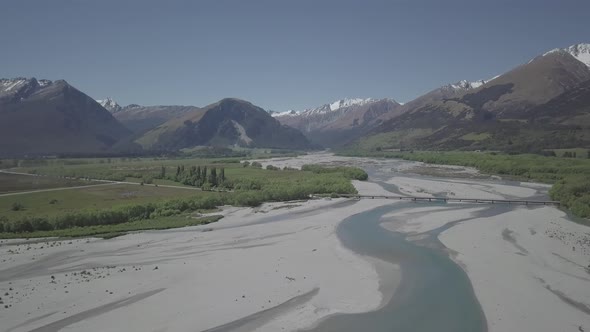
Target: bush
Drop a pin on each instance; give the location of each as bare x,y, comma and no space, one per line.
351,173
16,206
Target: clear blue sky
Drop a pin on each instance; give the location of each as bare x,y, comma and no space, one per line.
277,54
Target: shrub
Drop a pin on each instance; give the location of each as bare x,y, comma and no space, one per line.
16,206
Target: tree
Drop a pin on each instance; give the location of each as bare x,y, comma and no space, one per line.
588,152
213,177
204,174
221,178
163,172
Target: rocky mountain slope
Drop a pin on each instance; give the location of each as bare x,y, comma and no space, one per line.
340,122
44,117
502,113
229,122
110,105
141,119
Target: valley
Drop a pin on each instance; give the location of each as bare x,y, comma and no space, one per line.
289,265
258,169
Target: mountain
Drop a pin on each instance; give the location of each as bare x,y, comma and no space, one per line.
110,105
41,117
340,122
579,51
501,113
141,119
229,122
464,85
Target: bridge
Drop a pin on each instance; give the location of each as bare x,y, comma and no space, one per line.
452,199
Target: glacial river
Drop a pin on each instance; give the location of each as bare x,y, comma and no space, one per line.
435,294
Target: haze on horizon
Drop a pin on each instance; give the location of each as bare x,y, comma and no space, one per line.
277,54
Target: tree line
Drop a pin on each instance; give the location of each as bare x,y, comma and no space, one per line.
198,176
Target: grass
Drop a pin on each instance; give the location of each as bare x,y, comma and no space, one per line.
111,231
391,140
114,208
14,183
99,197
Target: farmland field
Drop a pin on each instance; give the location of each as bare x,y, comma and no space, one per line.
58,202
149,193
14,183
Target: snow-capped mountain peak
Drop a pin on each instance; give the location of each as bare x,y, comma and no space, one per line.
287,113
579,51
328,108
466,85
349,102
110,105
21,87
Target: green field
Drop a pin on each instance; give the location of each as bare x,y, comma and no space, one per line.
52,203
14,183
570,176
159,191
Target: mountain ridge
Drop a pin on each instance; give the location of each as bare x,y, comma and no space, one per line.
498,114
228,122
49,117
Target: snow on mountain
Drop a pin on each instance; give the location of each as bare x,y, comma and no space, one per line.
44,83
8,84
110,105
349,102
579,51
326,108
466,85
21,87
287,113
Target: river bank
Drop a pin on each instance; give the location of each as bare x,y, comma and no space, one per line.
282,256
318,264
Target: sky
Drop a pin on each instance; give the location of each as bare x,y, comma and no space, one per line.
277,54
